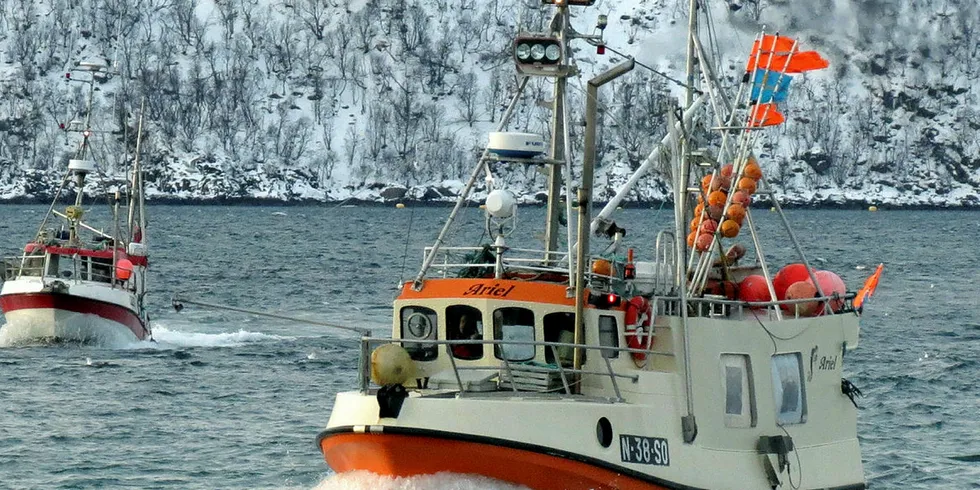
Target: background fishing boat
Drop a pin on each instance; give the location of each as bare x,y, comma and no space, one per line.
78,282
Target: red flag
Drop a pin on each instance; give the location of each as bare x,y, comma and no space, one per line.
799,62
765,115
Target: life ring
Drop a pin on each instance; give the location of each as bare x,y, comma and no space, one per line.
639,317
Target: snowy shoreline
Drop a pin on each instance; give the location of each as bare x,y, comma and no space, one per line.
445,203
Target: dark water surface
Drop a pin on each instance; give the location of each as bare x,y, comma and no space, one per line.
224,400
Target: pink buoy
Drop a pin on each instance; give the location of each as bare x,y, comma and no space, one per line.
786,276
124,269
754,289
802,290
703,242
830,283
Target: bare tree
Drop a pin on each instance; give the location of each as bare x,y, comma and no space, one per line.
467,90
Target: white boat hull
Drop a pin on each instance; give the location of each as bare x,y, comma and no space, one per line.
79,313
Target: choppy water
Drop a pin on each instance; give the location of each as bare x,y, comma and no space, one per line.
223,400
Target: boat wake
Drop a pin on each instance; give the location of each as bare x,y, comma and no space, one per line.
165,338
363,480
28,331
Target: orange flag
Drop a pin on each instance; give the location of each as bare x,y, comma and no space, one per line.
799,62
868,290
765,115
773,44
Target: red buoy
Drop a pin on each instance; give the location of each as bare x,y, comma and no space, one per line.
754,289
787,276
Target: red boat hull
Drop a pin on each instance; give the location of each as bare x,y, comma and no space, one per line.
66,302
403,455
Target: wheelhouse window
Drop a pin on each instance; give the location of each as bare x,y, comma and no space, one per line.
465,323
609,336
787,388
513,324
736,378
560,328
419,323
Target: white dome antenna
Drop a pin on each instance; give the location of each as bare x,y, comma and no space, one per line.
501,204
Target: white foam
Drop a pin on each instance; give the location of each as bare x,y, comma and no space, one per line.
174,339
363,480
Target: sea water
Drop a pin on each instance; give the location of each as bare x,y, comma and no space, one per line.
227,400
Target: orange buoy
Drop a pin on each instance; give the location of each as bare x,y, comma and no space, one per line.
694,223
752,171
726,170
602,267
736,213
802,290
706,183
717,198
698,210
744,184
690,238
703,242
729,228
743,198
124,269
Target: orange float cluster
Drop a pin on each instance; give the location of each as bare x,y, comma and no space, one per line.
710,215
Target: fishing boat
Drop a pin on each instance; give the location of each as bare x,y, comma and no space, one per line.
686,362
75,281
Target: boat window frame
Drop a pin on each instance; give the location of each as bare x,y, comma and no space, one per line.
554,326
609,351
419,351
452,320
787,367
747,416
498,329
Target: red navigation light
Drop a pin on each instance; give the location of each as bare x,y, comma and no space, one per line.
600,49
61,125
68,76
604,300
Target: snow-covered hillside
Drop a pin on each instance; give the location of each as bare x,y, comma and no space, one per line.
368,99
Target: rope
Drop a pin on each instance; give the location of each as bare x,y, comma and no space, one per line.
656,72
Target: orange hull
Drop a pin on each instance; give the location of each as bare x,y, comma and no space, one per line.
405,455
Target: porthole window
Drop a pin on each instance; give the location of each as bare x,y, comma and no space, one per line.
419,323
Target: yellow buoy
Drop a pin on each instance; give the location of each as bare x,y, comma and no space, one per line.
772,209
872,208
391,365
400,205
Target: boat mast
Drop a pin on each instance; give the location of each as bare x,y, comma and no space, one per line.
688,423
559,24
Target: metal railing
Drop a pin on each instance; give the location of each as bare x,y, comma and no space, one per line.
452,261
68,267
508,367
